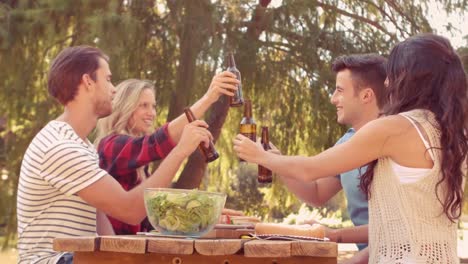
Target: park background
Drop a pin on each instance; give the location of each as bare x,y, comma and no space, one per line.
283,49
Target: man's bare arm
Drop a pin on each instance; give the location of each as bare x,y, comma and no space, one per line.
315,193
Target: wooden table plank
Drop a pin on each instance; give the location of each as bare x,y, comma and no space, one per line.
314,248
170,245
126,244
267,248
71,244
218,247
152,258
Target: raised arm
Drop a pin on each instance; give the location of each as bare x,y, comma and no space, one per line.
222,83
107,195
124,153
369,143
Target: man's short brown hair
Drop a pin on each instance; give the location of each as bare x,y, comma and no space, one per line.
367,70
68,68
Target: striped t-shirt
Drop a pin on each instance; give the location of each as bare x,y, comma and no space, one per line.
56,165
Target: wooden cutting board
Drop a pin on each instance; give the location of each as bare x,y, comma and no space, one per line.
229,231
220,231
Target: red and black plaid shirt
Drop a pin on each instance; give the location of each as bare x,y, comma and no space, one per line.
122,155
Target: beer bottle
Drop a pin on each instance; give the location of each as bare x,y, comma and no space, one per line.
236,100
264,174
247,125
209,152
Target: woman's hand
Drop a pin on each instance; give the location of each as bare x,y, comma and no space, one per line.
222,83
274,149
248,150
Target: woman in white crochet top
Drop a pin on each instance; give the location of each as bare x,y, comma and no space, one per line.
417,154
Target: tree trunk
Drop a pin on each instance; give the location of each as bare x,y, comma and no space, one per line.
194,32
194,171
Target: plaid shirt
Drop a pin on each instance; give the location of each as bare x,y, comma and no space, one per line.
122,155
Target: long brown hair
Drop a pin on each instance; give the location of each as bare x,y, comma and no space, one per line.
424,72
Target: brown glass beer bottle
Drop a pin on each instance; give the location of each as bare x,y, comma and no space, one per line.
236,100
264,174
209,152
247,125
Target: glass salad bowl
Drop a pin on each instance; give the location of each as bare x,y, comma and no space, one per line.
183,212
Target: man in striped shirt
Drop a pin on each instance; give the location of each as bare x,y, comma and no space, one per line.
61,184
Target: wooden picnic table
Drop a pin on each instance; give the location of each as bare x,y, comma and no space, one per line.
151,249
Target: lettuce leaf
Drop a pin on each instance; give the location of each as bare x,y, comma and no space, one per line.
187,213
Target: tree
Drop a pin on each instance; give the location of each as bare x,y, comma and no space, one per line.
284,54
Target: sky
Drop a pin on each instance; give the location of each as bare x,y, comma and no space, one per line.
438,20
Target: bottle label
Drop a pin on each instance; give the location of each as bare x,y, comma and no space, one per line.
252,136
249,130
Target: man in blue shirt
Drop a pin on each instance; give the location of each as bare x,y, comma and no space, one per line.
358,96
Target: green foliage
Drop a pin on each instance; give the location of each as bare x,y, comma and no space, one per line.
284,54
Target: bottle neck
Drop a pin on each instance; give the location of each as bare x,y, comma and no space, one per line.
248,109
189,114
231,61
265,137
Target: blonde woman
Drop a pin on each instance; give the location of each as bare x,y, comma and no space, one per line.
127,142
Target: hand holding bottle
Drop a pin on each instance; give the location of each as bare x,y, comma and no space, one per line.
248,150
208,150
222,83
194,134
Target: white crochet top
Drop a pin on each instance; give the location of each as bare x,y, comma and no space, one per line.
406,221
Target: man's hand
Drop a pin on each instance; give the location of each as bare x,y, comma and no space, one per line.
224,218
332,234
193,134
222,83
227,211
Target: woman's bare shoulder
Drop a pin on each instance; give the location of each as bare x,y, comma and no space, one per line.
392,124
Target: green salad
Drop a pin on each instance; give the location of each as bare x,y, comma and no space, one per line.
183,213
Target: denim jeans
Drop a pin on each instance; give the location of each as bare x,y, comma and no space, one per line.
66,258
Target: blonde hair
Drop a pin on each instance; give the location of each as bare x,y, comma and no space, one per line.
125,102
